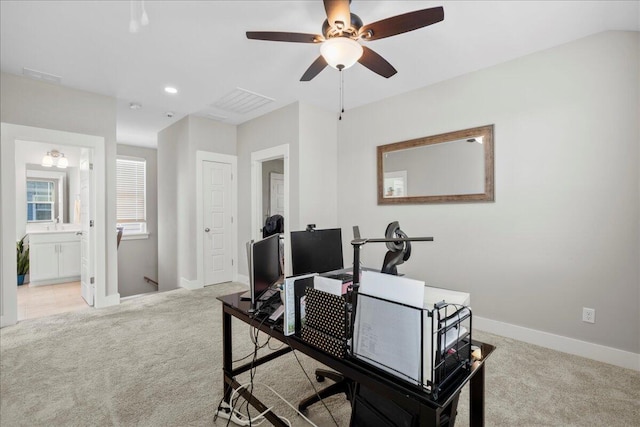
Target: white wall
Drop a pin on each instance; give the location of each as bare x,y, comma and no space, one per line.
177,146
563,232
273,129
138,258
169,142
318,181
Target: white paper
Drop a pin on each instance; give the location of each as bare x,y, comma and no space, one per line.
387,335
435,295
431,297
326,284
393,288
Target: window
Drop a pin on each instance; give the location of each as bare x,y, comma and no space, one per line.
131,195
41,196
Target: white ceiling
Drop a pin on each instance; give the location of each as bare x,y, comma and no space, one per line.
200,48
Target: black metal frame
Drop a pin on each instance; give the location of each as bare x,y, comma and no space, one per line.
446,367
431,412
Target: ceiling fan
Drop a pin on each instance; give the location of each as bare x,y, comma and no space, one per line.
341,32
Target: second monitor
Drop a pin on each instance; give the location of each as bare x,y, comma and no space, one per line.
316,251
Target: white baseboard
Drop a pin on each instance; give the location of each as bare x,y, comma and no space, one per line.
107,301
614,356
190,284
4,321
55,281
243,279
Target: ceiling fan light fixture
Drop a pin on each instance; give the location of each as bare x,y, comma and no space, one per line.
341,52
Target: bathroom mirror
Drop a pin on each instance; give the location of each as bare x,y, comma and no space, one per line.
450,167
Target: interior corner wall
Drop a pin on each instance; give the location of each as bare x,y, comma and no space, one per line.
138,258
563,232
28,102
177,147
270,130
206,135
318,176
171,141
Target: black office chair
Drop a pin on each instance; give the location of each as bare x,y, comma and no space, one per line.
341,385
273,225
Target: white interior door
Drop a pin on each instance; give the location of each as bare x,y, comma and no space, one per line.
276,194
86,264
217,215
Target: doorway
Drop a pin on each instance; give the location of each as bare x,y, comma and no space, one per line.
275,191
52,208
12,136
260,201
216,228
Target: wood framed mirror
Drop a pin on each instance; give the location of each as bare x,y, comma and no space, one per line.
450,167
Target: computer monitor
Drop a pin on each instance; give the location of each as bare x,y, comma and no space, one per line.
316,251
264,267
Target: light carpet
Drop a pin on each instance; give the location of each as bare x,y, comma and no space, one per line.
157,361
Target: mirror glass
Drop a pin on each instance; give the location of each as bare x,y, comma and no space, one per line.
451,167
46,194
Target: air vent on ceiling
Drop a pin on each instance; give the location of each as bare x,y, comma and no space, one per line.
241,101
40,75
216,117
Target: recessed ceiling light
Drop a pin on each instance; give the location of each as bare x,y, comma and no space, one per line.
170,89
135,105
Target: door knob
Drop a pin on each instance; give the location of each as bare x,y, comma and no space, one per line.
207,229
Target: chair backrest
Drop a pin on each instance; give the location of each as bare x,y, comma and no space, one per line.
120,229
273,225
398,252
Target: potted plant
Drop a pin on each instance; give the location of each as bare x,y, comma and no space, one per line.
22,253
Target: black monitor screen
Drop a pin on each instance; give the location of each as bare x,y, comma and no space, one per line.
264,265
316,251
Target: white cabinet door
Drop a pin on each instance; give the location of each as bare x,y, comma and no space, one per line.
43,261
69,259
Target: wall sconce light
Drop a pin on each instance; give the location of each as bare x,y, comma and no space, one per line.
55,157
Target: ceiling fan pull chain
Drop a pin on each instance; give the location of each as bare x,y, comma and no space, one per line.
341,94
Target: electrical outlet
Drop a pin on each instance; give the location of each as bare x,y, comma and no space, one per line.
588,315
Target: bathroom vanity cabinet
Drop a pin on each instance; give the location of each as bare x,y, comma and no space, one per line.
54,257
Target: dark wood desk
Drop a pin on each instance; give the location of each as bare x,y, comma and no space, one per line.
409,397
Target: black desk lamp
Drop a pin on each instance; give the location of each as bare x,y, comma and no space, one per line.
358,242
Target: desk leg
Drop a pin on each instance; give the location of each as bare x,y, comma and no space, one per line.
476,395
227,356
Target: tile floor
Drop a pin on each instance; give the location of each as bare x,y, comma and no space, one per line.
40,301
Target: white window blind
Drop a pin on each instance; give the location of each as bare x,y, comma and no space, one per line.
130,188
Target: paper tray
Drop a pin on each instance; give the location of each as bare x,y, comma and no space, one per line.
411,343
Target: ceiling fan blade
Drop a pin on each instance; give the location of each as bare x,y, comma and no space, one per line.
376,63
338,11
278,36
314,69
402,23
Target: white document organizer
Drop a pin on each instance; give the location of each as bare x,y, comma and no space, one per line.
425,345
